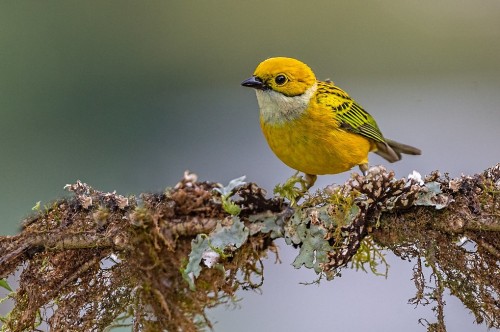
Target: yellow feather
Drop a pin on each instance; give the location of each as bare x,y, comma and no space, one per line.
313,126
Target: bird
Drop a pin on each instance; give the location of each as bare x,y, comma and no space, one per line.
313,126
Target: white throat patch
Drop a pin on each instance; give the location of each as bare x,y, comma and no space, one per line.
276,108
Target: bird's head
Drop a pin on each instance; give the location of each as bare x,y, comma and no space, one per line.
287,76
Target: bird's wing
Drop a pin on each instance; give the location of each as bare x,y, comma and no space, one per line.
347,112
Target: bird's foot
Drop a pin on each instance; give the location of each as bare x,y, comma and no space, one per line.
310,179
364,169
292,192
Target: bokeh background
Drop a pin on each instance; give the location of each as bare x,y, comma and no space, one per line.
126,95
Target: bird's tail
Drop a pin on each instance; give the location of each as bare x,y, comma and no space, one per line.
392,150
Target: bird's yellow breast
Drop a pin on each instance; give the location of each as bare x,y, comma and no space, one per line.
313,143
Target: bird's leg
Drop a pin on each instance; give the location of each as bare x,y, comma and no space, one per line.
364,169
310,179
291,191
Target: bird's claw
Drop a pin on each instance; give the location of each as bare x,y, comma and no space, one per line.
291,191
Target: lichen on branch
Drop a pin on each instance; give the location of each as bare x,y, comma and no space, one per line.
158,261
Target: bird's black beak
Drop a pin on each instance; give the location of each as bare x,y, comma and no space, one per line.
254,82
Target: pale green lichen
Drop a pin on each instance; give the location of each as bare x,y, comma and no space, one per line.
432,196
267,222
309,229
226,193
220,242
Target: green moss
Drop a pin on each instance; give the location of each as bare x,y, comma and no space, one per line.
371,256
289,191
229,206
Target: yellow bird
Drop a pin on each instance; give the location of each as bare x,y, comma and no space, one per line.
314,126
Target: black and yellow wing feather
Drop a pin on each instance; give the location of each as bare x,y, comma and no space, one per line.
352,117
348,113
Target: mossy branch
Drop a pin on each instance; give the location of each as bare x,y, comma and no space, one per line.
97,260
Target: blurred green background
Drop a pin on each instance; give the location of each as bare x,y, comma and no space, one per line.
126,95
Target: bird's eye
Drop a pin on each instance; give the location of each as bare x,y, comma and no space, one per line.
281,79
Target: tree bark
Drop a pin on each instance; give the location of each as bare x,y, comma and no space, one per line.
94,259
